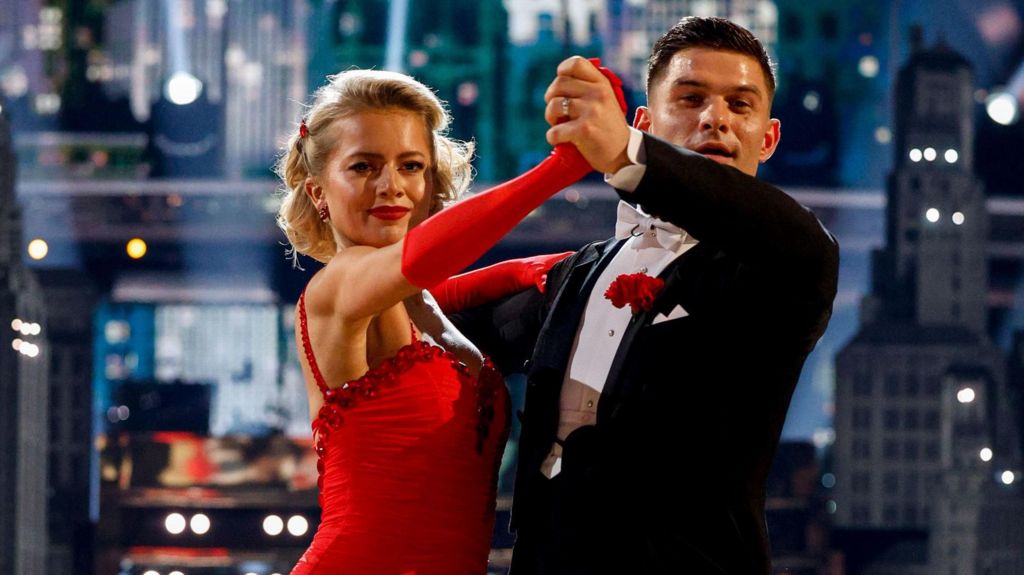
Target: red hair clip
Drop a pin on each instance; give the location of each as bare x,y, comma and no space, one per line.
303,130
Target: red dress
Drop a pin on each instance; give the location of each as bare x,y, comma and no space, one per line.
408,462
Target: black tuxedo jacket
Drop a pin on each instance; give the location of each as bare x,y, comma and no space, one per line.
671,477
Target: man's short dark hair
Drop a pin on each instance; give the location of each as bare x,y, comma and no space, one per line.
713,33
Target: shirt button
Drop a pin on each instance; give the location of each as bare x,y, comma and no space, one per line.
611,332
643,270
590,403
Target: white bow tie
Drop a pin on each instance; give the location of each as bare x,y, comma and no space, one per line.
633,222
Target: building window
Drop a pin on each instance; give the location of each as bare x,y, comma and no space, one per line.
910,450
891,450
910,419
891,483
954,310
861,448
892,384
932,385
931,451
931,420
861,514
862,384
829,26
56,364
861,482
892,419
861,418
792,26
913,385
910,514
890,515
910,485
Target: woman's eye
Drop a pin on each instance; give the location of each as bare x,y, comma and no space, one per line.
412,166
360,167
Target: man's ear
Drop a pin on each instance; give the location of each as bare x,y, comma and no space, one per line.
771,140
642,119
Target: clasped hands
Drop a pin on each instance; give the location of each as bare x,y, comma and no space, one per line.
583,110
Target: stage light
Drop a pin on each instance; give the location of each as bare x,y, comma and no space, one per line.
915,155
151,572
951,156
16,344
273,525
183,88
297,525
930,154
812,101
958,218
868,66
38,248
199,523
1002,107
175,523
1007,477
16,324
175,573
136,248
932,215
965,395
985,454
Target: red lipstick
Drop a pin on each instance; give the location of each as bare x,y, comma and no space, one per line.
389,212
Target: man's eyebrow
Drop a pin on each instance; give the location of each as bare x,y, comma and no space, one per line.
748,88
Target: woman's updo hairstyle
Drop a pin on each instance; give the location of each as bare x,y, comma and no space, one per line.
310,146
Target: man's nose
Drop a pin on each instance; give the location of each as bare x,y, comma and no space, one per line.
715,116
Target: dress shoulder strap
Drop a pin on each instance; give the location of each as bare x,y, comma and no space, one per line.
307,348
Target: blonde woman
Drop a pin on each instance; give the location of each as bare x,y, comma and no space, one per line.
410,419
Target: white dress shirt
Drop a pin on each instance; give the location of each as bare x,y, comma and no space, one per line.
602,324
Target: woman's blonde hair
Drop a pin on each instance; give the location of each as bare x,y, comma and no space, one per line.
346,94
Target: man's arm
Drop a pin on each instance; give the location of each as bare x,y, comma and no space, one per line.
720,204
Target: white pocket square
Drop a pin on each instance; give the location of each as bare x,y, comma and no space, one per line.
676,313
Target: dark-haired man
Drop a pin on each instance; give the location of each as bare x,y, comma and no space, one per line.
648,429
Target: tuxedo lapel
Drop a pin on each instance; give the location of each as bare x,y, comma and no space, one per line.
677,275
559,331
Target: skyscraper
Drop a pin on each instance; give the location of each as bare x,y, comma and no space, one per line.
23,391
634,26
454,46
923,422
249,55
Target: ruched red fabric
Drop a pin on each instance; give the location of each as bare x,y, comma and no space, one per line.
408,460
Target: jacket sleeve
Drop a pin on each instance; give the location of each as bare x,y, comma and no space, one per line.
788,254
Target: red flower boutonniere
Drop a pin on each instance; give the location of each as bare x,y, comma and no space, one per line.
637,290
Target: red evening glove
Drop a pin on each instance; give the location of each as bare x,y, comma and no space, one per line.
492,282
457,236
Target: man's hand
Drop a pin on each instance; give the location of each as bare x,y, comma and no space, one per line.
595,123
